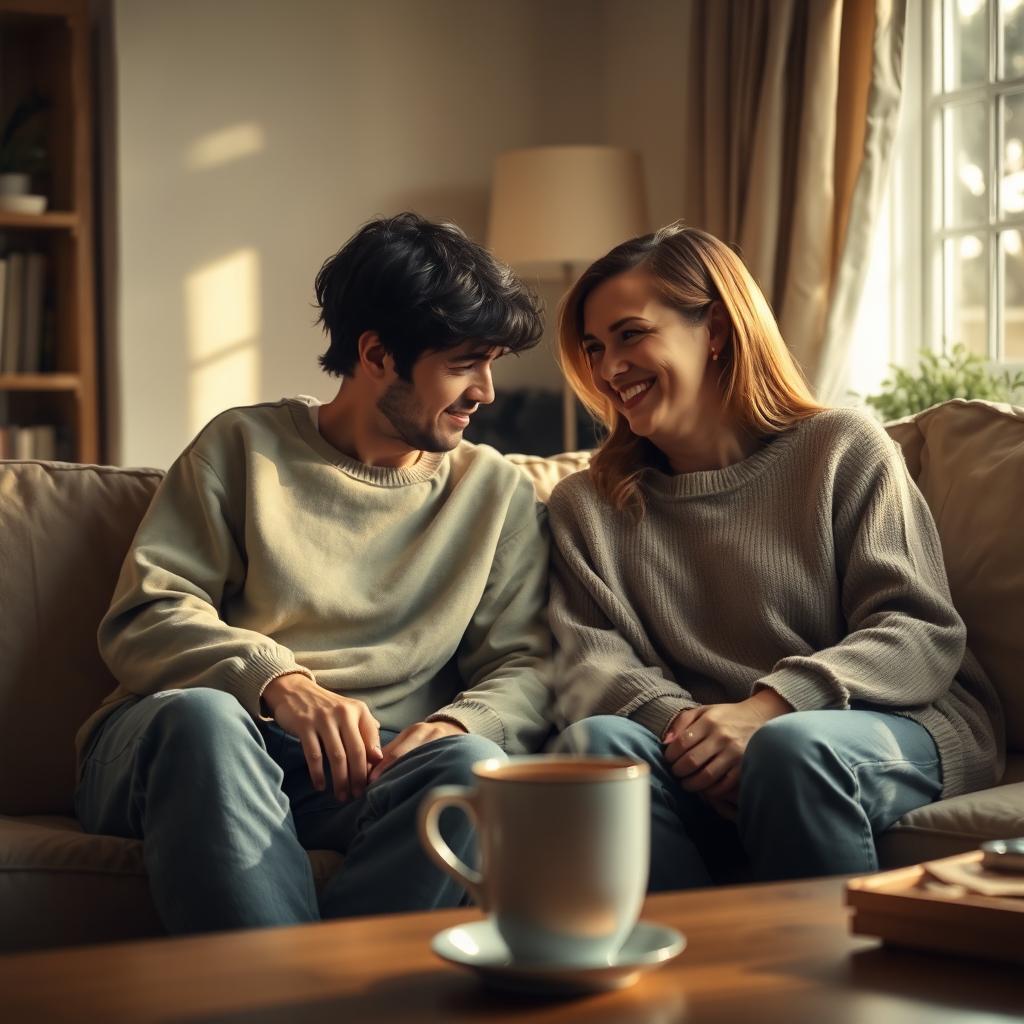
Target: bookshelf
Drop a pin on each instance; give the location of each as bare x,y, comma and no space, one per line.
45,48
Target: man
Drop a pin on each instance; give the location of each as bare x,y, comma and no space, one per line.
307,594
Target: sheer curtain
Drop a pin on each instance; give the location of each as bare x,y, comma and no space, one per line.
795,105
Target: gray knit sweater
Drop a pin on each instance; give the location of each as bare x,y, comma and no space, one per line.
812,567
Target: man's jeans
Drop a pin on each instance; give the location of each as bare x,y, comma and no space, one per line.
815,790
226,811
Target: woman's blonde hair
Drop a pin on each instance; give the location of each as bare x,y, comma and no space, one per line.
762,386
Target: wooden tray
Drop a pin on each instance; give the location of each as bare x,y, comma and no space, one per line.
895,907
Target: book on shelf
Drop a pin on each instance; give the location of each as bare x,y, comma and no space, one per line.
44,441
23,313
23,439
3,297
30,360
14,300
48,346
38,441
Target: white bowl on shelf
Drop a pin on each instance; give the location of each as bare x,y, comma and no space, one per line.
23,204
15,183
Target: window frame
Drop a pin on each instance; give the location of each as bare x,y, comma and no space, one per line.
936,101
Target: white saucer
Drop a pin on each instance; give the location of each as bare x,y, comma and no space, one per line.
479,947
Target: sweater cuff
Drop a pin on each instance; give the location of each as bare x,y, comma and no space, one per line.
658,714
474,717
261,668
806,691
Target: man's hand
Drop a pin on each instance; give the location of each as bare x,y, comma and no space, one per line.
410,738
705,745
327,723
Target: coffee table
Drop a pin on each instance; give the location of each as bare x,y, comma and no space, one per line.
760,953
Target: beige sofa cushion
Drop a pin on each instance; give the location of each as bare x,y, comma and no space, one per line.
968,460
64,531
59,886
958,824
544,473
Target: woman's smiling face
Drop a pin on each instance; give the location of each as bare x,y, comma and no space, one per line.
648,358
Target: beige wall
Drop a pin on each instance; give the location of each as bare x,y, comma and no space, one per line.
647,79
254,136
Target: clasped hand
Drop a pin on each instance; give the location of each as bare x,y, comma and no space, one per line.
704,746
343,729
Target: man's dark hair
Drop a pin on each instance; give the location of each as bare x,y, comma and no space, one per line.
423,287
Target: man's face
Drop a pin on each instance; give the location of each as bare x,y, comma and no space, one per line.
430,412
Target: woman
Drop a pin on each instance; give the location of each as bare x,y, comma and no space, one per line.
748,589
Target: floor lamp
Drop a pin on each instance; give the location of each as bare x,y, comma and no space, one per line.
555,209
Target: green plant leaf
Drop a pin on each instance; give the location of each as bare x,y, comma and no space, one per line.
940,377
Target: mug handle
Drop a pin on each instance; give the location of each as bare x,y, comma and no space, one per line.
433,842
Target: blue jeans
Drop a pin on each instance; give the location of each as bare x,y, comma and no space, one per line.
816,788
226,810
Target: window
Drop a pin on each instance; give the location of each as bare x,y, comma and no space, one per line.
947,253
974,182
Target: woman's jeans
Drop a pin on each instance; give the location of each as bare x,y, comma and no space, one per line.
226,811
816,788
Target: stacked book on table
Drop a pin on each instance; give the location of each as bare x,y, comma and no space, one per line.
22,305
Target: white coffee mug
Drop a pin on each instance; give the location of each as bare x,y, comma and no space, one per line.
564,852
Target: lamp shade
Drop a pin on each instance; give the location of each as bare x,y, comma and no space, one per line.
553,206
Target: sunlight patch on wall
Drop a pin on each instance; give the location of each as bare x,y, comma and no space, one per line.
224,146
223,322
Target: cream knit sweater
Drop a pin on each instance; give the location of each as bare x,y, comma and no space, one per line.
812,567
420,591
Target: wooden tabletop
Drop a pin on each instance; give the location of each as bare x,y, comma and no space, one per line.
766,954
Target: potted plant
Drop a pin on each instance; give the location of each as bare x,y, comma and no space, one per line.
23,151
959,374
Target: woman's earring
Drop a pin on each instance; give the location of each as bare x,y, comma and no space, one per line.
714,355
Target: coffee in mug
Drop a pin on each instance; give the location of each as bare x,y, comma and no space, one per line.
564,852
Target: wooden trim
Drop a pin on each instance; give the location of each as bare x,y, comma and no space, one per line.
40,382
46,8
54,220
85,253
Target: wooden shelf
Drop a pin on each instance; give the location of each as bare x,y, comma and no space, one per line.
45,48
40,382
13,9
58,220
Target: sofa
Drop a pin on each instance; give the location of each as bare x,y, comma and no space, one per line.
64,530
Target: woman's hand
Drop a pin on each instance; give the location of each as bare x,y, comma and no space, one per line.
705,745
410,738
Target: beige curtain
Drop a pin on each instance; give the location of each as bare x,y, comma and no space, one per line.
784,133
